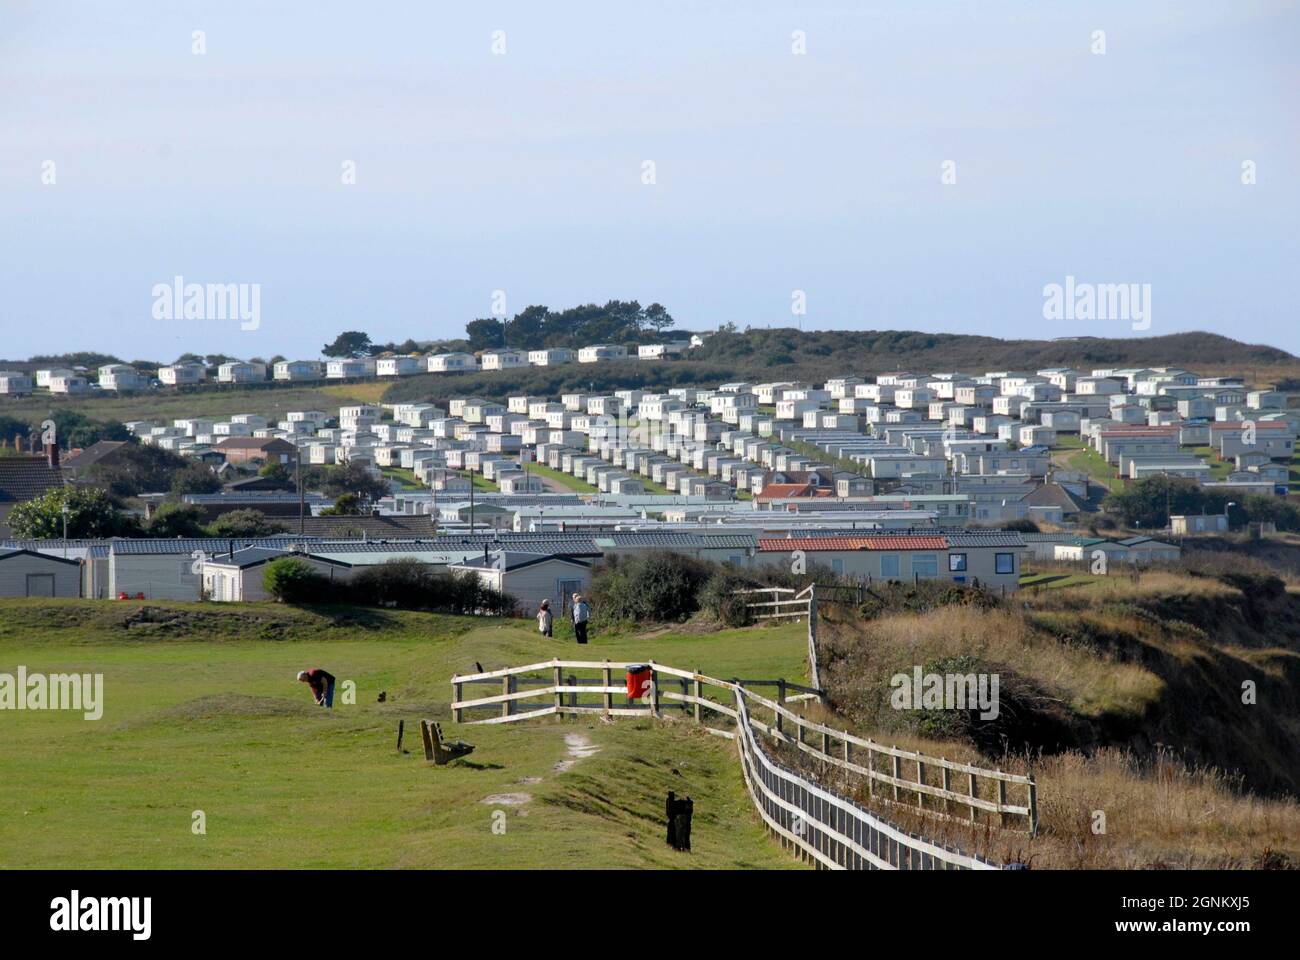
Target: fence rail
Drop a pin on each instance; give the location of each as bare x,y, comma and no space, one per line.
893,776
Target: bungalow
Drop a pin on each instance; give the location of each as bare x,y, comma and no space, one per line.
346,369
240,372
502,360
297,370
398,366
550,357
256,449
602,352
452,362
238,575
180,374
990,557
28,573
530,577
15,384
27,478
119,376
660,351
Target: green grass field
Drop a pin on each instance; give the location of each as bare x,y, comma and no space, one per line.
213,401
560,477
202,712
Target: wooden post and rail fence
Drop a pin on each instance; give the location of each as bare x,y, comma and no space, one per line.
812,821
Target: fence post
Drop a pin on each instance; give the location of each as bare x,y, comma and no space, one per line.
608,699
1033,806
898,771
972,792
871,769
573,697
947,785
920,782
654,690
780,699
1002,799
558,678
507,688
697,690
456,689
685,693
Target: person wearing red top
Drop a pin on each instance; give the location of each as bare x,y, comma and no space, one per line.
322,686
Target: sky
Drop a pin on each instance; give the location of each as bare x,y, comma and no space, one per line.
401,167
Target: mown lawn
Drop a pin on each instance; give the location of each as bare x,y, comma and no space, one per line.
202,713
559,476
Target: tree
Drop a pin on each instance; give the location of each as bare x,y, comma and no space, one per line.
349,344
195,477
12,428
177,519
135,469
486,334
74,429
274,470
657,318
347,505
91,514
293,580
1148,503
245,523
355,478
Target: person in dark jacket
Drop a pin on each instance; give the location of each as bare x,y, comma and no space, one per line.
581,613
322,686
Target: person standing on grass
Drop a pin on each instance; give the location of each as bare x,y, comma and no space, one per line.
544,619
581,614
322,686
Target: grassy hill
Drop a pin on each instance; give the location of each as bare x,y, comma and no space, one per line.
788,354
202,712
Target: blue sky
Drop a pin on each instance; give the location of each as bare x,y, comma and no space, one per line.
522,172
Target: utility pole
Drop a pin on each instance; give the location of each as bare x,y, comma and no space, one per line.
433,488
302,498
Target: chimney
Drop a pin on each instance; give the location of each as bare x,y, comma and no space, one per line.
52,455
231,547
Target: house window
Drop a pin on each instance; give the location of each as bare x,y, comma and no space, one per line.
837,566
956,563
1005,562
889,565
925,565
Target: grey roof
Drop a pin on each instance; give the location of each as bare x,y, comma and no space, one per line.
7,553
677,538
982,538
513,560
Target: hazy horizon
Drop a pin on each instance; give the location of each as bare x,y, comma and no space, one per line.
129,159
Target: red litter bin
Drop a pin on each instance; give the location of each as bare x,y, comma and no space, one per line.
638,680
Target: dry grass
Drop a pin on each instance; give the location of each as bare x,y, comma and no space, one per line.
1142,673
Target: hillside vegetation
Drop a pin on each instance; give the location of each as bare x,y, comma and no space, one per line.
1122,696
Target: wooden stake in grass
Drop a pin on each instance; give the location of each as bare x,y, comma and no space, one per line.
401,728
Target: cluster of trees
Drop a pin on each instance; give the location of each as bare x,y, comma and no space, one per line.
137,468
1147,504
93,513
402,583
617,321
72,429
666,587
352,344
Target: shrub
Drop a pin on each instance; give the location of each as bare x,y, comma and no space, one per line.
658,586
245,523
293,580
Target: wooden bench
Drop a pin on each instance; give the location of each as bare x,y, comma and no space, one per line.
438,751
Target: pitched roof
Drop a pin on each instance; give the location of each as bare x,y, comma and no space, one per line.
811,544
93,454
26,478
509,560
250,443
